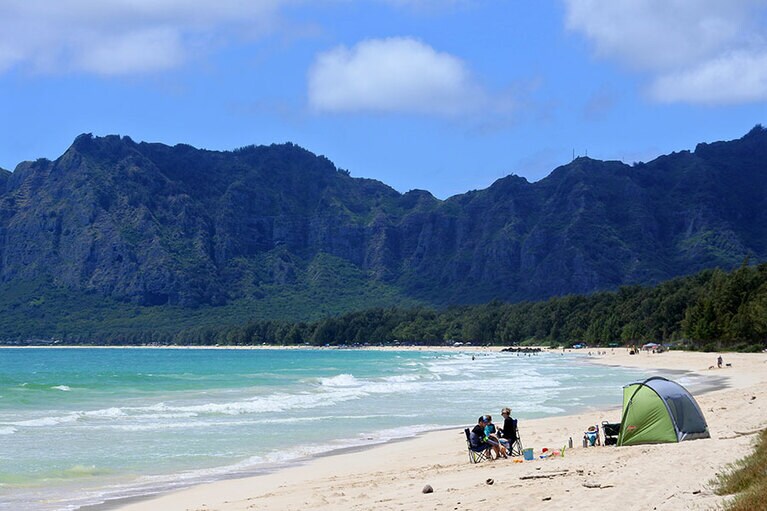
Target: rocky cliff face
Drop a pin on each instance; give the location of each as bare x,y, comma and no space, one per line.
156,225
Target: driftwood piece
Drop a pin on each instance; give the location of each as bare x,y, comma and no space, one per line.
545,476
745,433
597,485
741,433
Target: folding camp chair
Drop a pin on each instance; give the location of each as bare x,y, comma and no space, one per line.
476,454
515,447
611,432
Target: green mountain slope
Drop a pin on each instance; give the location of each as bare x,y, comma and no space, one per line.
278,232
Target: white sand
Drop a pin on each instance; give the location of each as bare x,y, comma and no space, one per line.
391,476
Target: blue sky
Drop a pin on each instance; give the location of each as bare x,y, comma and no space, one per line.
443,95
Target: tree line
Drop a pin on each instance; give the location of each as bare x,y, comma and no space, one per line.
712,310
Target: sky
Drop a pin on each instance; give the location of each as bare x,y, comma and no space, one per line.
441,95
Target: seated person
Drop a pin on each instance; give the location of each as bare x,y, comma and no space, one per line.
492,436
591,437
478,440
509,432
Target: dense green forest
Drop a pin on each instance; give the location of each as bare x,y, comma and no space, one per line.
711,310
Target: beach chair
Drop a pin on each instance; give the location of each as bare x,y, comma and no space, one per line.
591,436
476,454
515,444
611,431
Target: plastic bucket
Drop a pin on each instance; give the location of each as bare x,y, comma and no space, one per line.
528,454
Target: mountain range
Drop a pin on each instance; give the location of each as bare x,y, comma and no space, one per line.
154,225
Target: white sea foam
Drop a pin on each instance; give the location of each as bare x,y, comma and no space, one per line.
320,418
331,391
341,380
160,426
203,424
64,388
162,416
46,421
7,430
451,368
401,378
263,404
105,412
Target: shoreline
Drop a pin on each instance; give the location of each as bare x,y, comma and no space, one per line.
238,493
120,503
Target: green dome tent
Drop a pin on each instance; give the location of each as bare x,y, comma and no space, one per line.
658,410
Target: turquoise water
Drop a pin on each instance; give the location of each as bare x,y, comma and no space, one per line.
78,426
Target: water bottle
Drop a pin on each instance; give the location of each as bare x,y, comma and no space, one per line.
570,443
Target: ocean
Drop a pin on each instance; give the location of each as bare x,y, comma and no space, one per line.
81,426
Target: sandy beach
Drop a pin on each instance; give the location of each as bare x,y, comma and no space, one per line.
392,476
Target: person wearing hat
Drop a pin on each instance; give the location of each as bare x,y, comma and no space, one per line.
508,432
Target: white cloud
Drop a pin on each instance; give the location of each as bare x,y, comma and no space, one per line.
657,34
692,50
392,75
136,51
121,36
735,78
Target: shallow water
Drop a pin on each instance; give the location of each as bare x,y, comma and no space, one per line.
78,426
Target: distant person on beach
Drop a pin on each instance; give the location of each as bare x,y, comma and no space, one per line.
479,440
719,361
